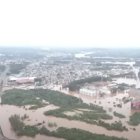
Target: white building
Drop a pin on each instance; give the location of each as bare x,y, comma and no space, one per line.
22,80
88,91
94,91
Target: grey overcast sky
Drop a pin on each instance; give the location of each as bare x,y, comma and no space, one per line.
66,23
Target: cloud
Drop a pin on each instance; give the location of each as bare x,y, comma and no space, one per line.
76,23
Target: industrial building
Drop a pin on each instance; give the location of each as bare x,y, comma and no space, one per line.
21,80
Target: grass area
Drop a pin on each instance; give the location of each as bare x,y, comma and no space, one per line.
135,119
118,126
69,134
118,115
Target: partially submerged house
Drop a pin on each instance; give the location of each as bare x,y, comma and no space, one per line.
135,104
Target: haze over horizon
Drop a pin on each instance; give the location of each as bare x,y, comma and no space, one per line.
75,23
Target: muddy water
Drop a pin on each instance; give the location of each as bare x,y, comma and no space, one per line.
131,135
39,137
37,116
109,103
34,117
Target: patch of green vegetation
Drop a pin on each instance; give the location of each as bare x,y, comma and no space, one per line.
69,134
118,115
20,128
51,124
76,134
75,85
87,116
118,126
16,68
135,119
21,98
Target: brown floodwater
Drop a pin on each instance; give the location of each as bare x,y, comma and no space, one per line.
37,116
109,103
39,137
34,117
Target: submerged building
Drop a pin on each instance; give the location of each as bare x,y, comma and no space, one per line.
88,91
95,91
21,80
135,104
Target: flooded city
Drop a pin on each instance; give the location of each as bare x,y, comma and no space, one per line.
48,97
